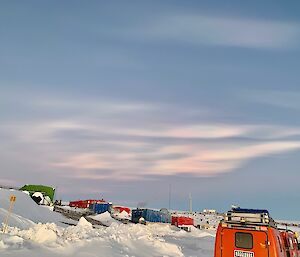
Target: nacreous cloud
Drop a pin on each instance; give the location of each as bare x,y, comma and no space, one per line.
212,159
128,143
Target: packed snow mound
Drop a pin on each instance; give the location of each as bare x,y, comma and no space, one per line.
163,230
28,238
105,218
39,233
84,223
122,215
119,240
16,220
25,207
200,233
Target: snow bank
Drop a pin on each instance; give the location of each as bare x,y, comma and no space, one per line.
25,210
83,223
117,240
16,220
39,233
105,218
122,215
28,239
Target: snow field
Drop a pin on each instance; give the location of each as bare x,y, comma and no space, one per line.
116,240
35,231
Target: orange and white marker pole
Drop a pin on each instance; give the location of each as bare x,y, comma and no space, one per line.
12,200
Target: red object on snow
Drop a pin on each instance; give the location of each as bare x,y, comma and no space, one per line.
121,209
84,203
182,221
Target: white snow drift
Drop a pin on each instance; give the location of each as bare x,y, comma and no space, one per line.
27,237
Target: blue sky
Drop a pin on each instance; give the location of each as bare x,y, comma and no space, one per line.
120,99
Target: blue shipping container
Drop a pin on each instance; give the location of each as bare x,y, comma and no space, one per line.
99,207
150,216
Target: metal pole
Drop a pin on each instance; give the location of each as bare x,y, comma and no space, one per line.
190,202
7,217
169,196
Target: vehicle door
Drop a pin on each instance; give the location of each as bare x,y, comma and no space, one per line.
244,243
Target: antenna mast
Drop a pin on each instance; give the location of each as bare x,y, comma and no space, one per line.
169,197
190,203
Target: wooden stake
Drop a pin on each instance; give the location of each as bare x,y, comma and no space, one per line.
12,201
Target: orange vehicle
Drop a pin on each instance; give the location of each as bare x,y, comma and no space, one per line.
290,243
253,233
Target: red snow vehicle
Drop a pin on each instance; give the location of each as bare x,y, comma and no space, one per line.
253,233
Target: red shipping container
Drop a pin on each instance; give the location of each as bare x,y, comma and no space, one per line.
121,209
182,221
84,203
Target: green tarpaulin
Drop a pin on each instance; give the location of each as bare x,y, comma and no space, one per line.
46,190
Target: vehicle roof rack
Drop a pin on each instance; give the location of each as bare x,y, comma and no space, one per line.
239,216
243,210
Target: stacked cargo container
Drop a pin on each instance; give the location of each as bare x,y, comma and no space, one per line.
148,215
100,207
84,203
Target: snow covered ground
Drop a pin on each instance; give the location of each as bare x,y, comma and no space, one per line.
116,240
37,231
26,211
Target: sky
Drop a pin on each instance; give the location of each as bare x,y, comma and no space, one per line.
128,100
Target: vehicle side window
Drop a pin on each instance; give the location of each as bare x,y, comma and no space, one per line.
279,241
243,240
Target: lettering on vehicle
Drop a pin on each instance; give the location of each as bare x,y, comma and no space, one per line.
238,253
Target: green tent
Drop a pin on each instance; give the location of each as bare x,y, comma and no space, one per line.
46,190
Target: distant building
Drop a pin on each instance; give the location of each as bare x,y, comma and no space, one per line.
207,211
